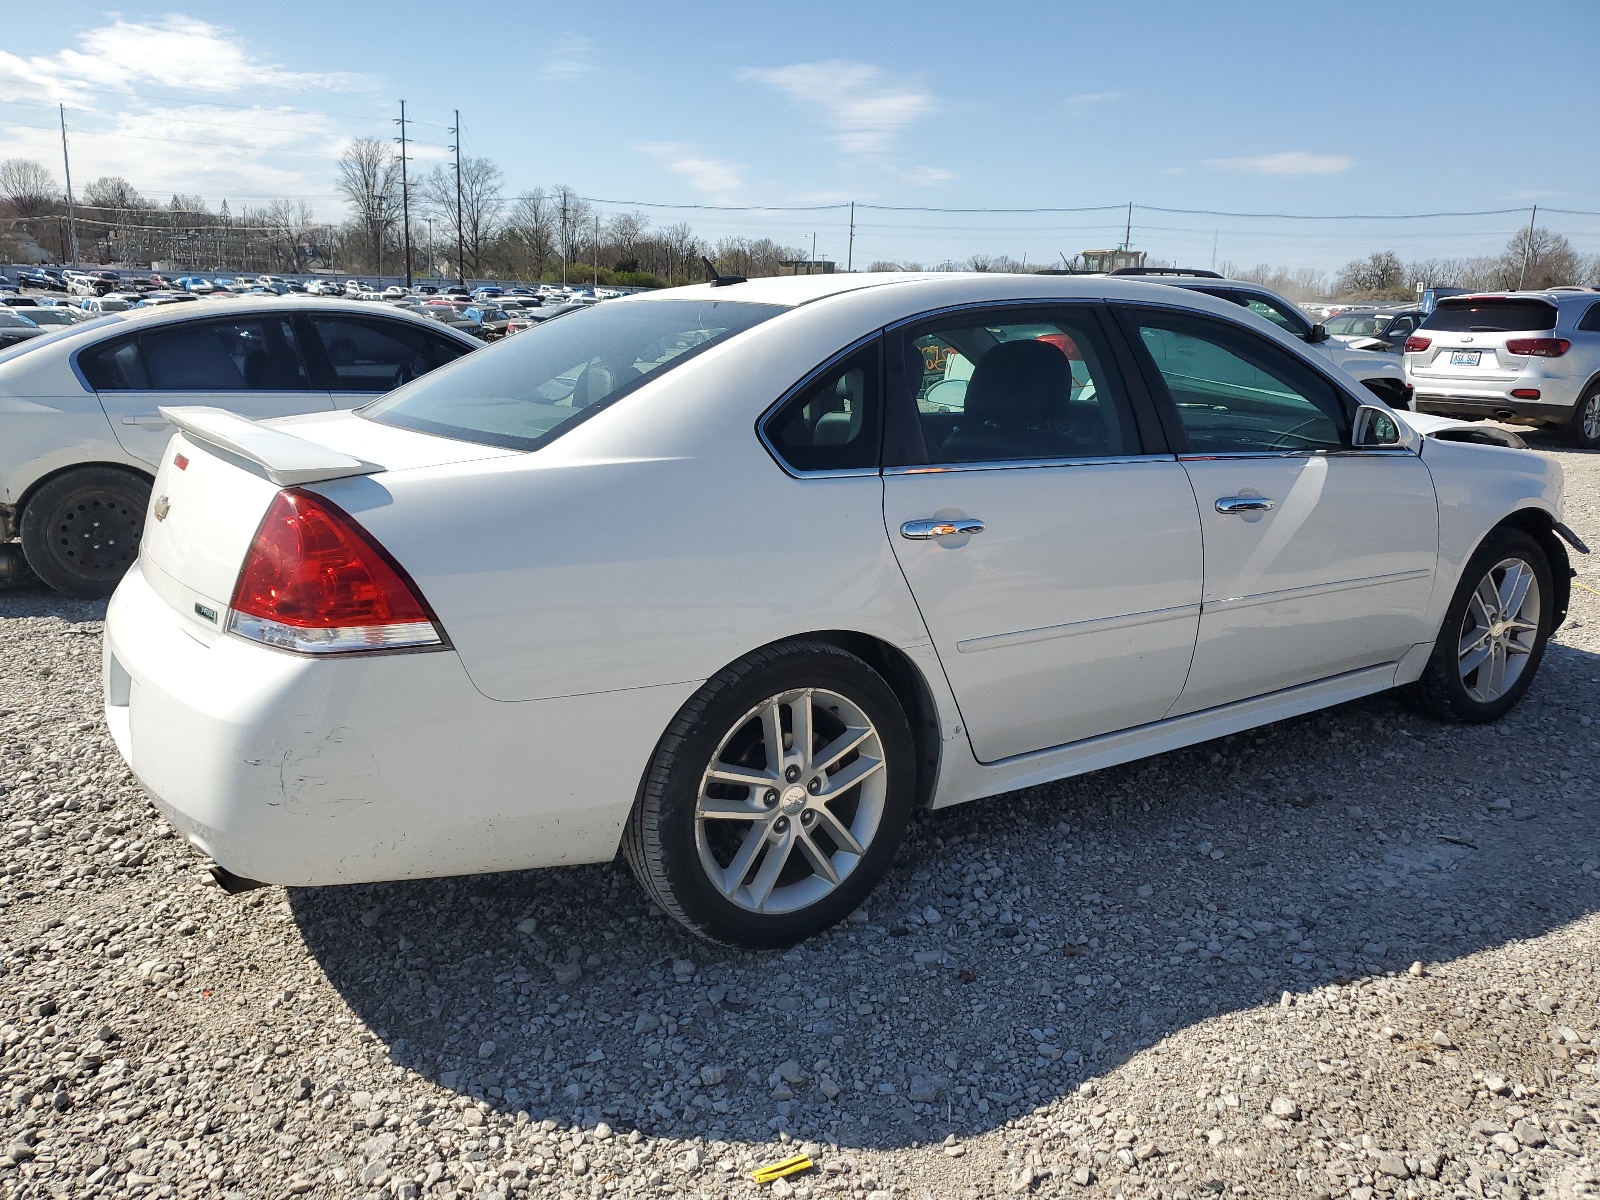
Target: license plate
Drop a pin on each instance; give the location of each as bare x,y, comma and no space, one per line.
1465,358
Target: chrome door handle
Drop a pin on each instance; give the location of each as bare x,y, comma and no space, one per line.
921,531
1229,505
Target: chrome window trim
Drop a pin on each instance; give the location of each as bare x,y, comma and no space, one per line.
1364,452
972,305
1018,464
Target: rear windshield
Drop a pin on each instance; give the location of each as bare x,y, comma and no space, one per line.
1491,316
526,391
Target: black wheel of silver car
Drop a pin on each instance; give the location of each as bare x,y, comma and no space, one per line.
81,530
776,799
1494,633
1584,429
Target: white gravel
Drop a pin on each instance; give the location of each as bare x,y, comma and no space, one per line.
1355,954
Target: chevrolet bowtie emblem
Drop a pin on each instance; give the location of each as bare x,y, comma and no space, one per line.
163,507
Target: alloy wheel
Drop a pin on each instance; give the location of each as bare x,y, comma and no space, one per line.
1591,418
1500,630
791,801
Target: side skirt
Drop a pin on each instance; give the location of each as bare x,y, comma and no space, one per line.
1111,749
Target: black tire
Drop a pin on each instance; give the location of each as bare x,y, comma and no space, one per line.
660,840
81,530
1441,692
1583,430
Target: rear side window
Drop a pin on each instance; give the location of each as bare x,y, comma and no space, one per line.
1491,316
833,423
373,355
1591,320
259,354
525,391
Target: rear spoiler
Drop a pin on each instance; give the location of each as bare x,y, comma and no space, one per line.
283,458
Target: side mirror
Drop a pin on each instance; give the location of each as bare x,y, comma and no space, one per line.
1319,333
1375,428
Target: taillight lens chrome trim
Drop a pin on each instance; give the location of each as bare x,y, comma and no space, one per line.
355,639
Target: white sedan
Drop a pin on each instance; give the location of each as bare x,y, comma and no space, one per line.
738,576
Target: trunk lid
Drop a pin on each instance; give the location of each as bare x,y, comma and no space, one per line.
219,474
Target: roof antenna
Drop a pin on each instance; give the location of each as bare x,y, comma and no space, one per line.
717,279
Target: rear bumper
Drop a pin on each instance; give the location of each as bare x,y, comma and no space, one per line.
393,766
1478,403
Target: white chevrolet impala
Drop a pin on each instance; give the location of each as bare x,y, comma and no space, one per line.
738,576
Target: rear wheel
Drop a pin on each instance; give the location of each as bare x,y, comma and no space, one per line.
1494,633
81,530
1583,430
776,799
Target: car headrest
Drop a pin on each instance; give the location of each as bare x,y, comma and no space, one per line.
1019,383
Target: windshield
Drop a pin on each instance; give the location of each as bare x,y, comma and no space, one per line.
528,390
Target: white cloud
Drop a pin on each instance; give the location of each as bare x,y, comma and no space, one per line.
1531,194
863,110
125,54
715,178
1084,101
926,176
569,58
1286,162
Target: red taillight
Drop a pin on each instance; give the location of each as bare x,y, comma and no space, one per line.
314,581
1525,393
1414,343
1538,347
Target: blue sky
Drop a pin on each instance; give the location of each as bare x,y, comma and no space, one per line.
1249,107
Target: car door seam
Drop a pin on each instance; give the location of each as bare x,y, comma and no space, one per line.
1045,633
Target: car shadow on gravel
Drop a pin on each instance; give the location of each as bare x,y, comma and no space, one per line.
1019,947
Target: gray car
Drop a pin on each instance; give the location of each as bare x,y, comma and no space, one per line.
1524,358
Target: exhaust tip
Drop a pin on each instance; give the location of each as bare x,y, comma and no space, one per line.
1501,414
234,884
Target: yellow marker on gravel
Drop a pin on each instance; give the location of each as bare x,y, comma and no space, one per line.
777,1170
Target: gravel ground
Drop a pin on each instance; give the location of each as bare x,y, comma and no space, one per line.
1354,953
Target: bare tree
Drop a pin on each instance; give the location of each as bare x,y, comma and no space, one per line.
369,178
1539,259
531,228
481,206
27,188
1380,274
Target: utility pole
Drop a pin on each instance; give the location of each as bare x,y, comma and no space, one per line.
597,249
1527,247
812,266
66,162
850,253
405,191
430,248
566,240
461,239
1127,233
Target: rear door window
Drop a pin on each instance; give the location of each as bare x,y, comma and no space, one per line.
1491,316
256,354
1591,320
370,354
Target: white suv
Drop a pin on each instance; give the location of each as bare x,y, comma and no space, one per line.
1525,358
1380,373
81,434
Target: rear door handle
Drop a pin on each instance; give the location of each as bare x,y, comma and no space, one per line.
921,531
1229,505
146,420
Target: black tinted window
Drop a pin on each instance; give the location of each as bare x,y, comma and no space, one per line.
833,423
1491,316
1591,320
254,354
1236,392
369,354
